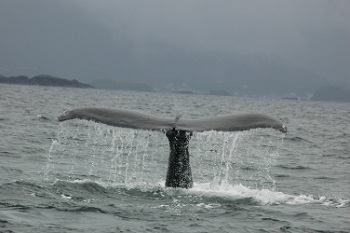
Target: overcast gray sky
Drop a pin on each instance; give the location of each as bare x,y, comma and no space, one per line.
193,45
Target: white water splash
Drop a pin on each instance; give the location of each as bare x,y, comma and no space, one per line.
261,196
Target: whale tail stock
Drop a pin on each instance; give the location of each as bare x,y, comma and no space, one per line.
178,131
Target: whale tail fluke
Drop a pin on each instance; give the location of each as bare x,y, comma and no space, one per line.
178,131
131,119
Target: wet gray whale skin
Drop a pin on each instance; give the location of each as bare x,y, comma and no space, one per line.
178,132
131,119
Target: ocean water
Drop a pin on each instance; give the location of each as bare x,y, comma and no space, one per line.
80,176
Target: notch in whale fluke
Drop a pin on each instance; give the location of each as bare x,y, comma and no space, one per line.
131,119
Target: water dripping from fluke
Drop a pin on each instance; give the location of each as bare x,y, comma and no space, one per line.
178,131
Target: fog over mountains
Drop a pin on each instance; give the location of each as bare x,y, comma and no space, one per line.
245,48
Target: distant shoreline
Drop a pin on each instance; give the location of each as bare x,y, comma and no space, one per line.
43,80
332,94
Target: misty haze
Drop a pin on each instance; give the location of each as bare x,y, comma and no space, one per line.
277,49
